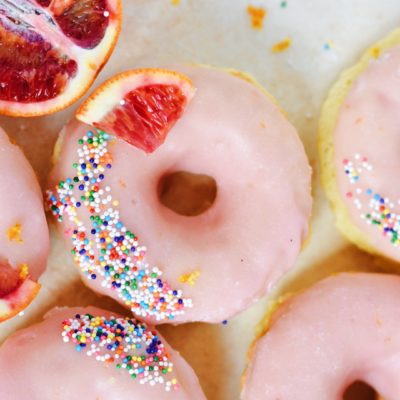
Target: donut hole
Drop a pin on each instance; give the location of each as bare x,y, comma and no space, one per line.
186,193
360,391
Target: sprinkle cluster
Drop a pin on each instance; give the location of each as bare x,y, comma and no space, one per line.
380,209
104,248
353,170
124,342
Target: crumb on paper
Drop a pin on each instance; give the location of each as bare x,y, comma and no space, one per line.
190,278
257,16
14,233
282,45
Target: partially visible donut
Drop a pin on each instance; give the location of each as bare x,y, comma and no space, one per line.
359,143
91,354
316,344
24,238
215,264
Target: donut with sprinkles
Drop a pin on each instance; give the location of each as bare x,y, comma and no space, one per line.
24,235
359,142
124,217
88,353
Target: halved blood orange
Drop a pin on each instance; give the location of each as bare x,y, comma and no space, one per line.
52,50
139,106
16,291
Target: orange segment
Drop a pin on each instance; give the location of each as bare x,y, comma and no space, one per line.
52,51
139,106
16,291
18,300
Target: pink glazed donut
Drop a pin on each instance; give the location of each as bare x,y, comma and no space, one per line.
91,354
360,144
24,237
210,266
342,330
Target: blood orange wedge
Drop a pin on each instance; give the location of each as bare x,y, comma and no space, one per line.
16,291
52,50
139,106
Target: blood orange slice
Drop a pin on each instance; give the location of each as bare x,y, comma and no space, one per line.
52,50
16,291
139,106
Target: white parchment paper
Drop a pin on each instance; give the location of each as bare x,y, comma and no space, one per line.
327,36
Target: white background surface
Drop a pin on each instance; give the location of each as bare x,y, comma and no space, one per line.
219,33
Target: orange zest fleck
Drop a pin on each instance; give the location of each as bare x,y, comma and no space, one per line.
14,233
23,271
257,16
282,45
190,278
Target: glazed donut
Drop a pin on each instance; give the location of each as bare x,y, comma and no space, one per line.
24,238
91,354
209,266
341,330
359,133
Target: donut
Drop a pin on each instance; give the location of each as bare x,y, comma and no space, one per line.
342,330
184,267
92,354
24,238
358,145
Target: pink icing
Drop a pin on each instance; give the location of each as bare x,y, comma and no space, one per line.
36,364
21,202
253,233
367,136
341,330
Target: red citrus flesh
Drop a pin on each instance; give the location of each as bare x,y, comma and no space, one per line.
31,73
84,21
146,115
9,279
46,45
16,291
18,300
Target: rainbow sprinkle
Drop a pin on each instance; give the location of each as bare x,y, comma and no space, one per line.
380,209
124,342
107,249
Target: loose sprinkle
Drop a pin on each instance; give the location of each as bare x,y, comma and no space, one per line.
14,233
281,46
328,45
190,278
124,342
284,4
379,208
175,2
257,16
108,249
